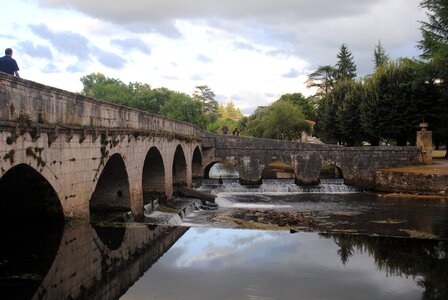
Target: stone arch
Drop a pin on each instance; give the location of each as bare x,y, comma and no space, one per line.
196,163
330,171
179,167
153,177
37,203
112,189
222,164
278,169
32,223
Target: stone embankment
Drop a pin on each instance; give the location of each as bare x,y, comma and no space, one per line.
427,179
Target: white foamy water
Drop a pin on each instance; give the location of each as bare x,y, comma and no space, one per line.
223,201
282,186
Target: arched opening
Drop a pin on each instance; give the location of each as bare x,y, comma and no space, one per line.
330,172
277,169
196,165
31,227
27,197
221,169
153,179
179,168
112,190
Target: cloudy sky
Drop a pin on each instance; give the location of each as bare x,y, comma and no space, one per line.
246,51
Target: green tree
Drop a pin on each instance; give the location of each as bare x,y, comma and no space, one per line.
328,127
345,66
253,126
182,107
371,113
150,100
349,112
162,101
401,99
306,105
323,79
380,56
97,85
204,94
232,112
435,50
282,120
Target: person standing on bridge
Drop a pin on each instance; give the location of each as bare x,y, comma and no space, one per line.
225,129
9,64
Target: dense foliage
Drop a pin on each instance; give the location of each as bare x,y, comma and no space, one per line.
435,52
388,105
160,101
283,120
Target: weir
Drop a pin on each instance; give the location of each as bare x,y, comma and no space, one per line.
326,186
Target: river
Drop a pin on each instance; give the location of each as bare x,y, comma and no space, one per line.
335,243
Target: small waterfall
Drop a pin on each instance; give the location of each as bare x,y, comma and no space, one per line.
326,186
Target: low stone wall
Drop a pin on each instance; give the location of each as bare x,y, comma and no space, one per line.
405,182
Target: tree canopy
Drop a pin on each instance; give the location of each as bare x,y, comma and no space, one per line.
160,101
435,52
282,120
210,106
322,79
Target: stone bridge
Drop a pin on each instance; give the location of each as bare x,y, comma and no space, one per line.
358,165
89,155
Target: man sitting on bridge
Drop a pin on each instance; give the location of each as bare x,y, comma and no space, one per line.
9,64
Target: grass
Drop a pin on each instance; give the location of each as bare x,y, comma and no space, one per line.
438,153
423,169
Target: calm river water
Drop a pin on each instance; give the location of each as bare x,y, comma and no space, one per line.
360,246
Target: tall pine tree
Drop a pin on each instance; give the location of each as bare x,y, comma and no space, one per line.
205,95
380,56
345,67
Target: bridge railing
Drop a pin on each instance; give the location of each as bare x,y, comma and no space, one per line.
24,100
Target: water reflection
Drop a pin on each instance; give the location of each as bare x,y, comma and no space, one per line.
425,261
249,264
161,262
26,256
81,266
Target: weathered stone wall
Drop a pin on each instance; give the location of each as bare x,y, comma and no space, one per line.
406,182
85,268
24,99
73,167
358,164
